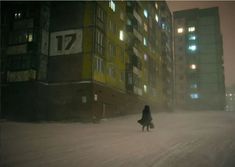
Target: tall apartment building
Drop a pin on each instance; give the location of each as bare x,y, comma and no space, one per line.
83,60
199,71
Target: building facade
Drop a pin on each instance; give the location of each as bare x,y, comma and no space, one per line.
199,71
84,60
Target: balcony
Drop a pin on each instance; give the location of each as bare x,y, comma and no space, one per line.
137,71
137,35
137,16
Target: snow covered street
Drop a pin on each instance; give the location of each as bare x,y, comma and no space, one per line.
180,139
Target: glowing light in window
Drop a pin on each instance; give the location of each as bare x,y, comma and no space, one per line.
193,86
180,30
194,96
145,42
156,18
145,88
191,29
192,37
112,5
30,37
192,47
163,26
193,66
121,35
129,22
156,5
145,13
17,15
145,57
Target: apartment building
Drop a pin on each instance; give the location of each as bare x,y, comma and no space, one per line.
83,60
199,71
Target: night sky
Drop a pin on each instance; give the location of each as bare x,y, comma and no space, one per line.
227,24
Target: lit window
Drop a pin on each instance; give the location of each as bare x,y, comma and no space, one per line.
145,13
163,26
121,35
145,57
193,66
128,22
156,5
145,88
156,18
194,86
192,37
145,27
180,30
30,37
145,42
194,96
191,29
95,97
17,15
192,47
112,5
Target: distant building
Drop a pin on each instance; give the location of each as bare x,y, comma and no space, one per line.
85,59
199,71
230,98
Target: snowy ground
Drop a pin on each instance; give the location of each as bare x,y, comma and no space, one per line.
180,139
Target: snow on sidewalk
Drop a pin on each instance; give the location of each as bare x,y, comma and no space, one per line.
195,139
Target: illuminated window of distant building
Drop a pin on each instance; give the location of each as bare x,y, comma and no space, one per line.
194,95
145,88
180,30
145,42
163,26
121,35
112,5
17,15
192,47
145,27
156,18
156,5
128,22
193,86
145,57
193,66
191,29
29,37
192,37
145,13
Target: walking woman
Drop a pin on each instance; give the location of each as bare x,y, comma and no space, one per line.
146,119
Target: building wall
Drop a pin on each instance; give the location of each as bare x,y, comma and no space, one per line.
85,60
198,59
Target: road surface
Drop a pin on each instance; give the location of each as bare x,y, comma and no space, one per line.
180,139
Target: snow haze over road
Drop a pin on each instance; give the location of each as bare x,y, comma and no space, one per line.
180,139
